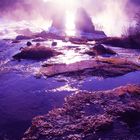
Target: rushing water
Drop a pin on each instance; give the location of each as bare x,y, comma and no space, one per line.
23,96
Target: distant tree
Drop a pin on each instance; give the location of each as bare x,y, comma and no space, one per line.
133,30
131,35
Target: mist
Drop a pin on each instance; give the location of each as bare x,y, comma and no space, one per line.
114,17
111,16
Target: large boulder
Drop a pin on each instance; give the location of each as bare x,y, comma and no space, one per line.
100,50
83,21
36,53
85,27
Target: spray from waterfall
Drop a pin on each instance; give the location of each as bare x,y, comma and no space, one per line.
111,16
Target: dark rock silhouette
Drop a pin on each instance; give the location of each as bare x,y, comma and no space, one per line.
132,42
83,21
54,43
100,50
29,43
22,37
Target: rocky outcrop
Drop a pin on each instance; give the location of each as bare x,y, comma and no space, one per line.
83,21
85,27
110,114
105,67
36,53
23,37
100,50
131,42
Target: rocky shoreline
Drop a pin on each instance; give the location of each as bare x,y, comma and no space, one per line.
85,115
91,115
131,42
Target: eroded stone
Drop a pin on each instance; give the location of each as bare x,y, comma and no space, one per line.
72,122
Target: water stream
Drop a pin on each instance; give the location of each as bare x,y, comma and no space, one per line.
23,96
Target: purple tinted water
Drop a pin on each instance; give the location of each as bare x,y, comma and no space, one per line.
23,97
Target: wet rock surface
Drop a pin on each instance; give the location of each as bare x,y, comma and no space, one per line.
36,52
131,41
23,37
105,67
111,108
99,49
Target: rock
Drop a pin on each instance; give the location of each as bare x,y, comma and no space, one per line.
133,89
131,42
104,67
71,121
29,43
15,41
22,37
76,40
83,21
54,43
85,27
114,41
36,53
101,50
42,34
38,44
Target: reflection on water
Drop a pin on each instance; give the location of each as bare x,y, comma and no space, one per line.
92,83
71,53
65,88
22,98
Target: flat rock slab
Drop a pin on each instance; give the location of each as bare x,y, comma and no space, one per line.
108,67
